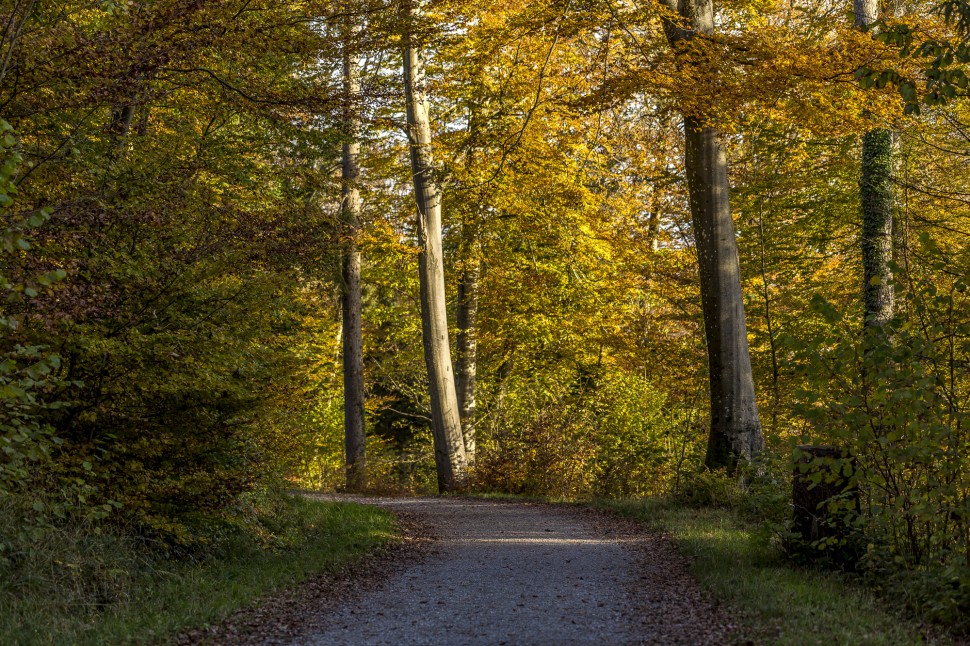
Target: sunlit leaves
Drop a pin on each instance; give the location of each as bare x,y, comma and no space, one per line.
940,58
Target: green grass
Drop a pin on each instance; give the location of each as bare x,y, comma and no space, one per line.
774,602
115,592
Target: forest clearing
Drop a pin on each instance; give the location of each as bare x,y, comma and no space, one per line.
684,282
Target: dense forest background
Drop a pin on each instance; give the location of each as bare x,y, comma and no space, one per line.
175,238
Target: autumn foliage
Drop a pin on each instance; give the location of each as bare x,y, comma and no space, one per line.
170,192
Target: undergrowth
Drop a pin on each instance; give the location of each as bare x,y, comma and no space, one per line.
84,583
741,562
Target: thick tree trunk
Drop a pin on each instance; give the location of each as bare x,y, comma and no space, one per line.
735,426
735,434
468,354
876,192
353,344
449,444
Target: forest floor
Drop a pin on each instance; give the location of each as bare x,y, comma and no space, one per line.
499,572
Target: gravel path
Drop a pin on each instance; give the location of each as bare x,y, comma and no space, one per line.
519,573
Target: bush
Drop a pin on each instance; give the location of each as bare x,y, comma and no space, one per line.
710,489
894,399
82,582
29,383
583,434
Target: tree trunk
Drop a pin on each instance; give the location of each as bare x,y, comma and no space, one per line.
468,354
353,344
876,192
653,221
120,125
735,427
735,434
449,444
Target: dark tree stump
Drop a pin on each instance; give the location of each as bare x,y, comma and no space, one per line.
825,496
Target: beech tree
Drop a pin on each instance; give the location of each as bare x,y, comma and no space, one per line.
449,447
735,433
468,354
468,290
353,343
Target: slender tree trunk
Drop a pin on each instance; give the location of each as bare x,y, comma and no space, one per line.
769,321
449,444
468,306
353,344
120,124
653,221
735,434
16,20
502,376
876,192
468,354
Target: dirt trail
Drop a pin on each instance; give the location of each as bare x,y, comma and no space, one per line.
518,573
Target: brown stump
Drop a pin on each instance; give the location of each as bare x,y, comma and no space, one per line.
825,496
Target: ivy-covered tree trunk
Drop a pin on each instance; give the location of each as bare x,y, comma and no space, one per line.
735,433
449,444
353,343
876,193
468,354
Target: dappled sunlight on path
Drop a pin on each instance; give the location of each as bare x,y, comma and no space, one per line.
501,573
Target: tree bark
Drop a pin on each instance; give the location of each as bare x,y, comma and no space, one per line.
653,221
353,343
468,354
120,125
450,459
735,426
876,193
735,433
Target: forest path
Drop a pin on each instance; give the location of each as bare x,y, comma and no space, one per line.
520,573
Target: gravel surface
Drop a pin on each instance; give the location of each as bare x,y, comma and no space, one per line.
521,573
279,618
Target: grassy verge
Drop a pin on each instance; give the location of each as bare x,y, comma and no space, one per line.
107,590
774,602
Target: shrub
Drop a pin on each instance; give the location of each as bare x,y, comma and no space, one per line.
895,399
581,435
